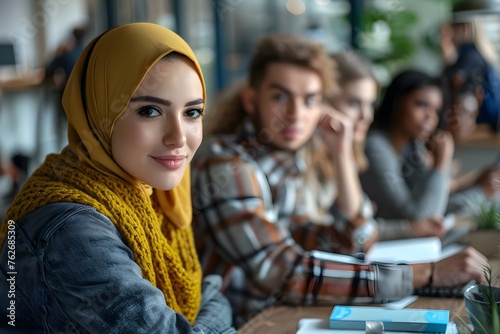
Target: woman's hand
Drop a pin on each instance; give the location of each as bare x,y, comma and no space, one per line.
442,148
488,180
337,130
457,269
460,268
430,227
337,134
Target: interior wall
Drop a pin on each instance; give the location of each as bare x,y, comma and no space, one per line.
36,27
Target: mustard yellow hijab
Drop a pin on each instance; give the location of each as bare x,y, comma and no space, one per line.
154,224
115,65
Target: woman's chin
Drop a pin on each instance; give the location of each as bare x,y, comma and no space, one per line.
424,135
164,185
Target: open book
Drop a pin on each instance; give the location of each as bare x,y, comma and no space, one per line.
414,250
408,251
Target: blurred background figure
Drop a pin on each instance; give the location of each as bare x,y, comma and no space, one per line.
469,58
408,173
467,189
66,55
459,118
356,99
13,174
59,68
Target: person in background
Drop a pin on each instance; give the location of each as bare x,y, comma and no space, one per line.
58,70
66,56
469,56
459,117
409,160
13,174
356,98
276,179
480,185
102,233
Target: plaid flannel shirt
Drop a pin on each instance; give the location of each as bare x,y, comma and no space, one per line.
251,227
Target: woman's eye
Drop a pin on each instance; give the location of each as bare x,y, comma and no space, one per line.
310,101
354,103
421,103
149,112
280,97
194,113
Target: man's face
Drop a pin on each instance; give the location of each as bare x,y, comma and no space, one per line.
286,106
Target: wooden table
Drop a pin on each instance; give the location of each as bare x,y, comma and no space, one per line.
284,319
478,151
482,137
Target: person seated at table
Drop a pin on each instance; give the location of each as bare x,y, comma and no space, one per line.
479,185
461,109
276,179
409,159
356,97
101,231
469,55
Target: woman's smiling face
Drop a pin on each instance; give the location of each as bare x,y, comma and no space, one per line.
159,132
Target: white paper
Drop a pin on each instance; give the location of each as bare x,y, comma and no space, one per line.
400,304
326,256
415,250
451,250
449,221
320,326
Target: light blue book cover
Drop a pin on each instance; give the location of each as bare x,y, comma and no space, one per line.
408,320
321,326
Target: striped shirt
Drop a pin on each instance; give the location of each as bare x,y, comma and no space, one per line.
252,226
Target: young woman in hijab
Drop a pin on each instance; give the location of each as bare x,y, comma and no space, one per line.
99,238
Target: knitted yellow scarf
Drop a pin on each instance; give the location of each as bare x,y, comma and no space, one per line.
165,253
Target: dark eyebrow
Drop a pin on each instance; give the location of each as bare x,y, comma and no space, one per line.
289,92
194,102
167,103
148,98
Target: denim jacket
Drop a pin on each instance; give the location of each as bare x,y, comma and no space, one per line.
66,269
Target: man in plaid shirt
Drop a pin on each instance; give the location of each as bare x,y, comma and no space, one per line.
276,179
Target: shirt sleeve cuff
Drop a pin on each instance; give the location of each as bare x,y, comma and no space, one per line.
392,282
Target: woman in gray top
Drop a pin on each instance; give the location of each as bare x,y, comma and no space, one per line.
359,92
409,161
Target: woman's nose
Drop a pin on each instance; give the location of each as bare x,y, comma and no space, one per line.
366,114
174,135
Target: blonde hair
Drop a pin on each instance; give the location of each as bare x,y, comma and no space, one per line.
482,42
350,67
476,34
